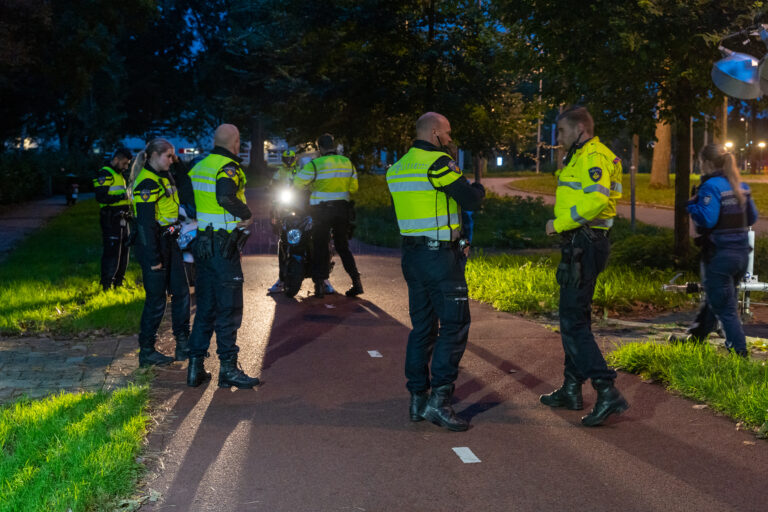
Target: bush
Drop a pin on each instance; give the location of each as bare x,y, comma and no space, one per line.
36,174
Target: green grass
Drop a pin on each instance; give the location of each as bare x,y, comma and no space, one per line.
72,450
526,284
545,184
731,385
50,282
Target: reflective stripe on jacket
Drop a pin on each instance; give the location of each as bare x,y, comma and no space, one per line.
115,183
203,177
422,209
163,194
329,178
588,188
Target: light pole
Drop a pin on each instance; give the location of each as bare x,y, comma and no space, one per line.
745,155
761,145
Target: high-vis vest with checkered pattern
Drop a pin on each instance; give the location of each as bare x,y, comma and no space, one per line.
588,188
116,184
330,178
204,176
421,209
163,194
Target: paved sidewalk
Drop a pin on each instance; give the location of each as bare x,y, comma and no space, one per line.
18,221
36,367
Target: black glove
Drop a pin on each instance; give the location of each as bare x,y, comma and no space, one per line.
203,244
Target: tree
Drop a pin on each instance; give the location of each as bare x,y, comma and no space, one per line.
616,56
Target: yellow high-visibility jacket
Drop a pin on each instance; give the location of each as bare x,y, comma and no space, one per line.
588,188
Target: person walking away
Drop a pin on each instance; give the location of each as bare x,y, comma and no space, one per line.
331,178
722,210
111,193
218,181
429,192
156,208
585,204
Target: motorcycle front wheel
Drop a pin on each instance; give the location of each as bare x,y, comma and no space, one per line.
294,275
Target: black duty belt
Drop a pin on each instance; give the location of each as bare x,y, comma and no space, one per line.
594,232
425,241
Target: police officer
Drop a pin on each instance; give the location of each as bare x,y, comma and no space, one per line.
429,192
222,216
722,211
585,205
156,208
281,179
331,179
111,193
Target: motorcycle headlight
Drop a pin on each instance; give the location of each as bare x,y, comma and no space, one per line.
286,196
293,236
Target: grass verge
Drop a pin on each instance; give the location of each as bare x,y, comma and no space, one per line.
50,282
71,451
731,385
526,284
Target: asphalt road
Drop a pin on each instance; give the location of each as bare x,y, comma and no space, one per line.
328,430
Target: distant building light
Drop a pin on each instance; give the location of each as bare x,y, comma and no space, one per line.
499,161
729,144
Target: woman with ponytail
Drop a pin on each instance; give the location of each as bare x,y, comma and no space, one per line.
156,207
722,211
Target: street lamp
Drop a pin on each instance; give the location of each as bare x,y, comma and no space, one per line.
729,145
761,145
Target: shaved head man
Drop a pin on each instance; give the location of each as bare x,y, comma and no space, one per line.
227,136
222,216
430,195
434,128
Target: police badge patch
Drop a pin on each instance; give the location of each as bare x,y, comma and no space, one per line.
595,173
455,168
102,179
145,194
230,171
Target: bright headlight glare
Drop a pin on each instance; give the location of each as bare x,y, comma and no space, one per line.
286,195
293,236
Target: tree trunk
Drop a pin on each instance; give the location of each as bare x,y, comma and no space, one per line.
257,164
682,190
481,164
633,175
662,151
720,135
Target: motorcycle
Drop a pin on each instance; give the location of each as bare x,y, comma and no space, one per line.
294,249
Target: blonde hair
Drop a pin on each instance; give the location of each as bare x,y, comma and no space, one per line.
721,159
156,145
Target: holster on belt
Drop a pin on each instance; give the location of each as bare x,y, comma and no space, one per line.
235,242
569,269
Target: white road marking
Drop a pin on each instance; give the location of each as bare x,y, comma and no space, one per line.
374,353
466,455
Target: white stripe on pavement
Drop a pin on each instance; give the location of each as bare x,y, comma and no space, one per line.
466,455
374,353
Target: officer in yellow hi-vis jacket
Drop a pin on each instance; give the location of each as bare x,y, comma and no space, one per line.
331,178
429,192
222,218
111,193
585,204
156,207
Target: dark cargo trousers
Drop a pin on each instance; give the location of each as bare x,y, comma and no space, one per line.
114,256
219,299
721,276
584,254
439,309
171,279
331,217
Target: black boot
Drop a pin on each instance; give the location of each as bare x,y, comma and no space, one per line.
568,396
151,357
609,401
182,347
439,411
319,289
418,401
230,375
196,373
356,289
